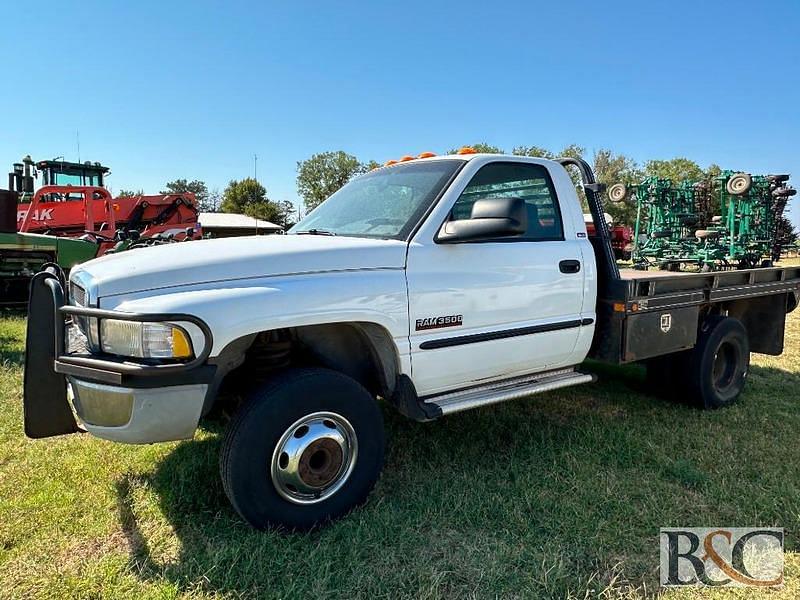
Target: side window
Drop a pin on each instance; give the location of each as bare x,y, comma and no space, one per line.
527,181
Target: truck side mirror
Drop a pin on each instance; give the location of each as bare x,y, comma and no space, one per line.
490,218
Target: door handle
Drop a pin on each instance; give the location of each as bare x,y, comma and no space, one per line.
569,266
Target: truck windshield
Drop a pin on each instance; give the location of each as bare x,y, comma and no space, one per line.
386,203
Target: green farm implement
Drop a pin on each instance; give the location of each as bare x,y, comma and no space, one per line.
749,223
733,221
666,220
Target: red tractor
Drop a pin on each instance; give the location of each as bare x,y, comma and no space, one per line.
73,202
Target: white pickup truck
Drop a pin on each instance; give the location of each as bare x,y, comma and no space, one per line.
436,284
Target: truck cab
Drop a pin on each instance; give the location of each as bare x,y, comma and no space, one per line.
436,284
472,291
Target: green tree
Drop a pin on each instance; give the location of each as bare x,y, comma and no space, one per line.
213,202
249,197
481,148
571,151
196,187
323,174
677,169
610,168
370,165
129,193
240,195
533,151
286,214
713,170
786,234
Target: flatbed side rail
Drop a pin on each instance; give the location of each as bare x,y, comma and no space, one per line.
652,314
656,291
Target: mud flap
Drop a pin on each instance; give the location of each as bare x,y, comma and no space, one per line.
46,409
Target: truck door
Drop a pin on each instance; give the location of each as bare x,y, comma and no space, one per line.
484,310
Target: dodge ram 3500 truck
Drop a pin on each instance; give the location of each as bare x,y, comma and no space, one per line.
437,284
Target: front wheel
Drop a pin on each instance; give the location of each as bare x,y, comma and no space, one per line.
305,448
719,362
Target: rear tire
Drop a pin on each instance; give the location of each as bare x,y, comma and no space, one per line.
719,363
305,448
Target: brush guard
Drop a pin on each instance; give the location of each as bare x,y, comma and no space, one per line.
48,361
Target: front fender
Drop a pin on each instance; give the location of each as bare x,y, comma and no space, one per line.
235,309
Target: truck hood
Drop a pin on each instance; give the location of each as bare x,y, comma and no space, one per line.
205,261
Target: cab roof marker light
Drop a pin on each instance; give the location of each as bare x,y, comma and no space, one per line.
406,158
466,150
426,155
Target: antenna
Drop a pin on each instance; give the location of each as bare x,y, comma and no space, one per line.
78,142
255,167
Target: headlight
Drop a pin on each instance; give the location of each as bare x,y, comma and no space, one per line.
144,340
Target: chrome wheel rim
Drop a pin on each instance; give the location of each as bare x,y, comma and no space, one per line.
314,458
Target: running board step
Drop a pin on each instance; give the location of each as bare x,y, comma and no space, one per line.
510,389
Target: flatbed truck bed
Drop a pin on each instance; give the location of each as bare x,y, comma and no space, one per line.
641,304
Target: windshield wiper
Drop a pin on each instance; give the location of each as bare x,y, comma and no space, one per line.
315,232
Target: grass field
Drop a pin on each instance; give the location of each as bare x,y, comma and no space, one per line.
561,495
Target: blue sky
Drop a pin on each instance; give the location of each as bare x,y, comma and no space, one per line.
162,90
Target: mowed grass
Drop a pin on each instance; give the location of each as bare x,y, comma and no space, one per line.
560,495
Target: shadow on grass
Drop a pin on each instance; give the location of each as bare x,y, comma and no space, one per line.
9,351
514,499
12,347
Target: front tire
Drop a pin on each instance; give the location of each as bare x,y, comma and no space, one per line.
304,449
719,362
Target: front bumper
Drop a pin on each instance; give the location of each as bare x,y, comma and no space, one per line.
138,416
114,398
